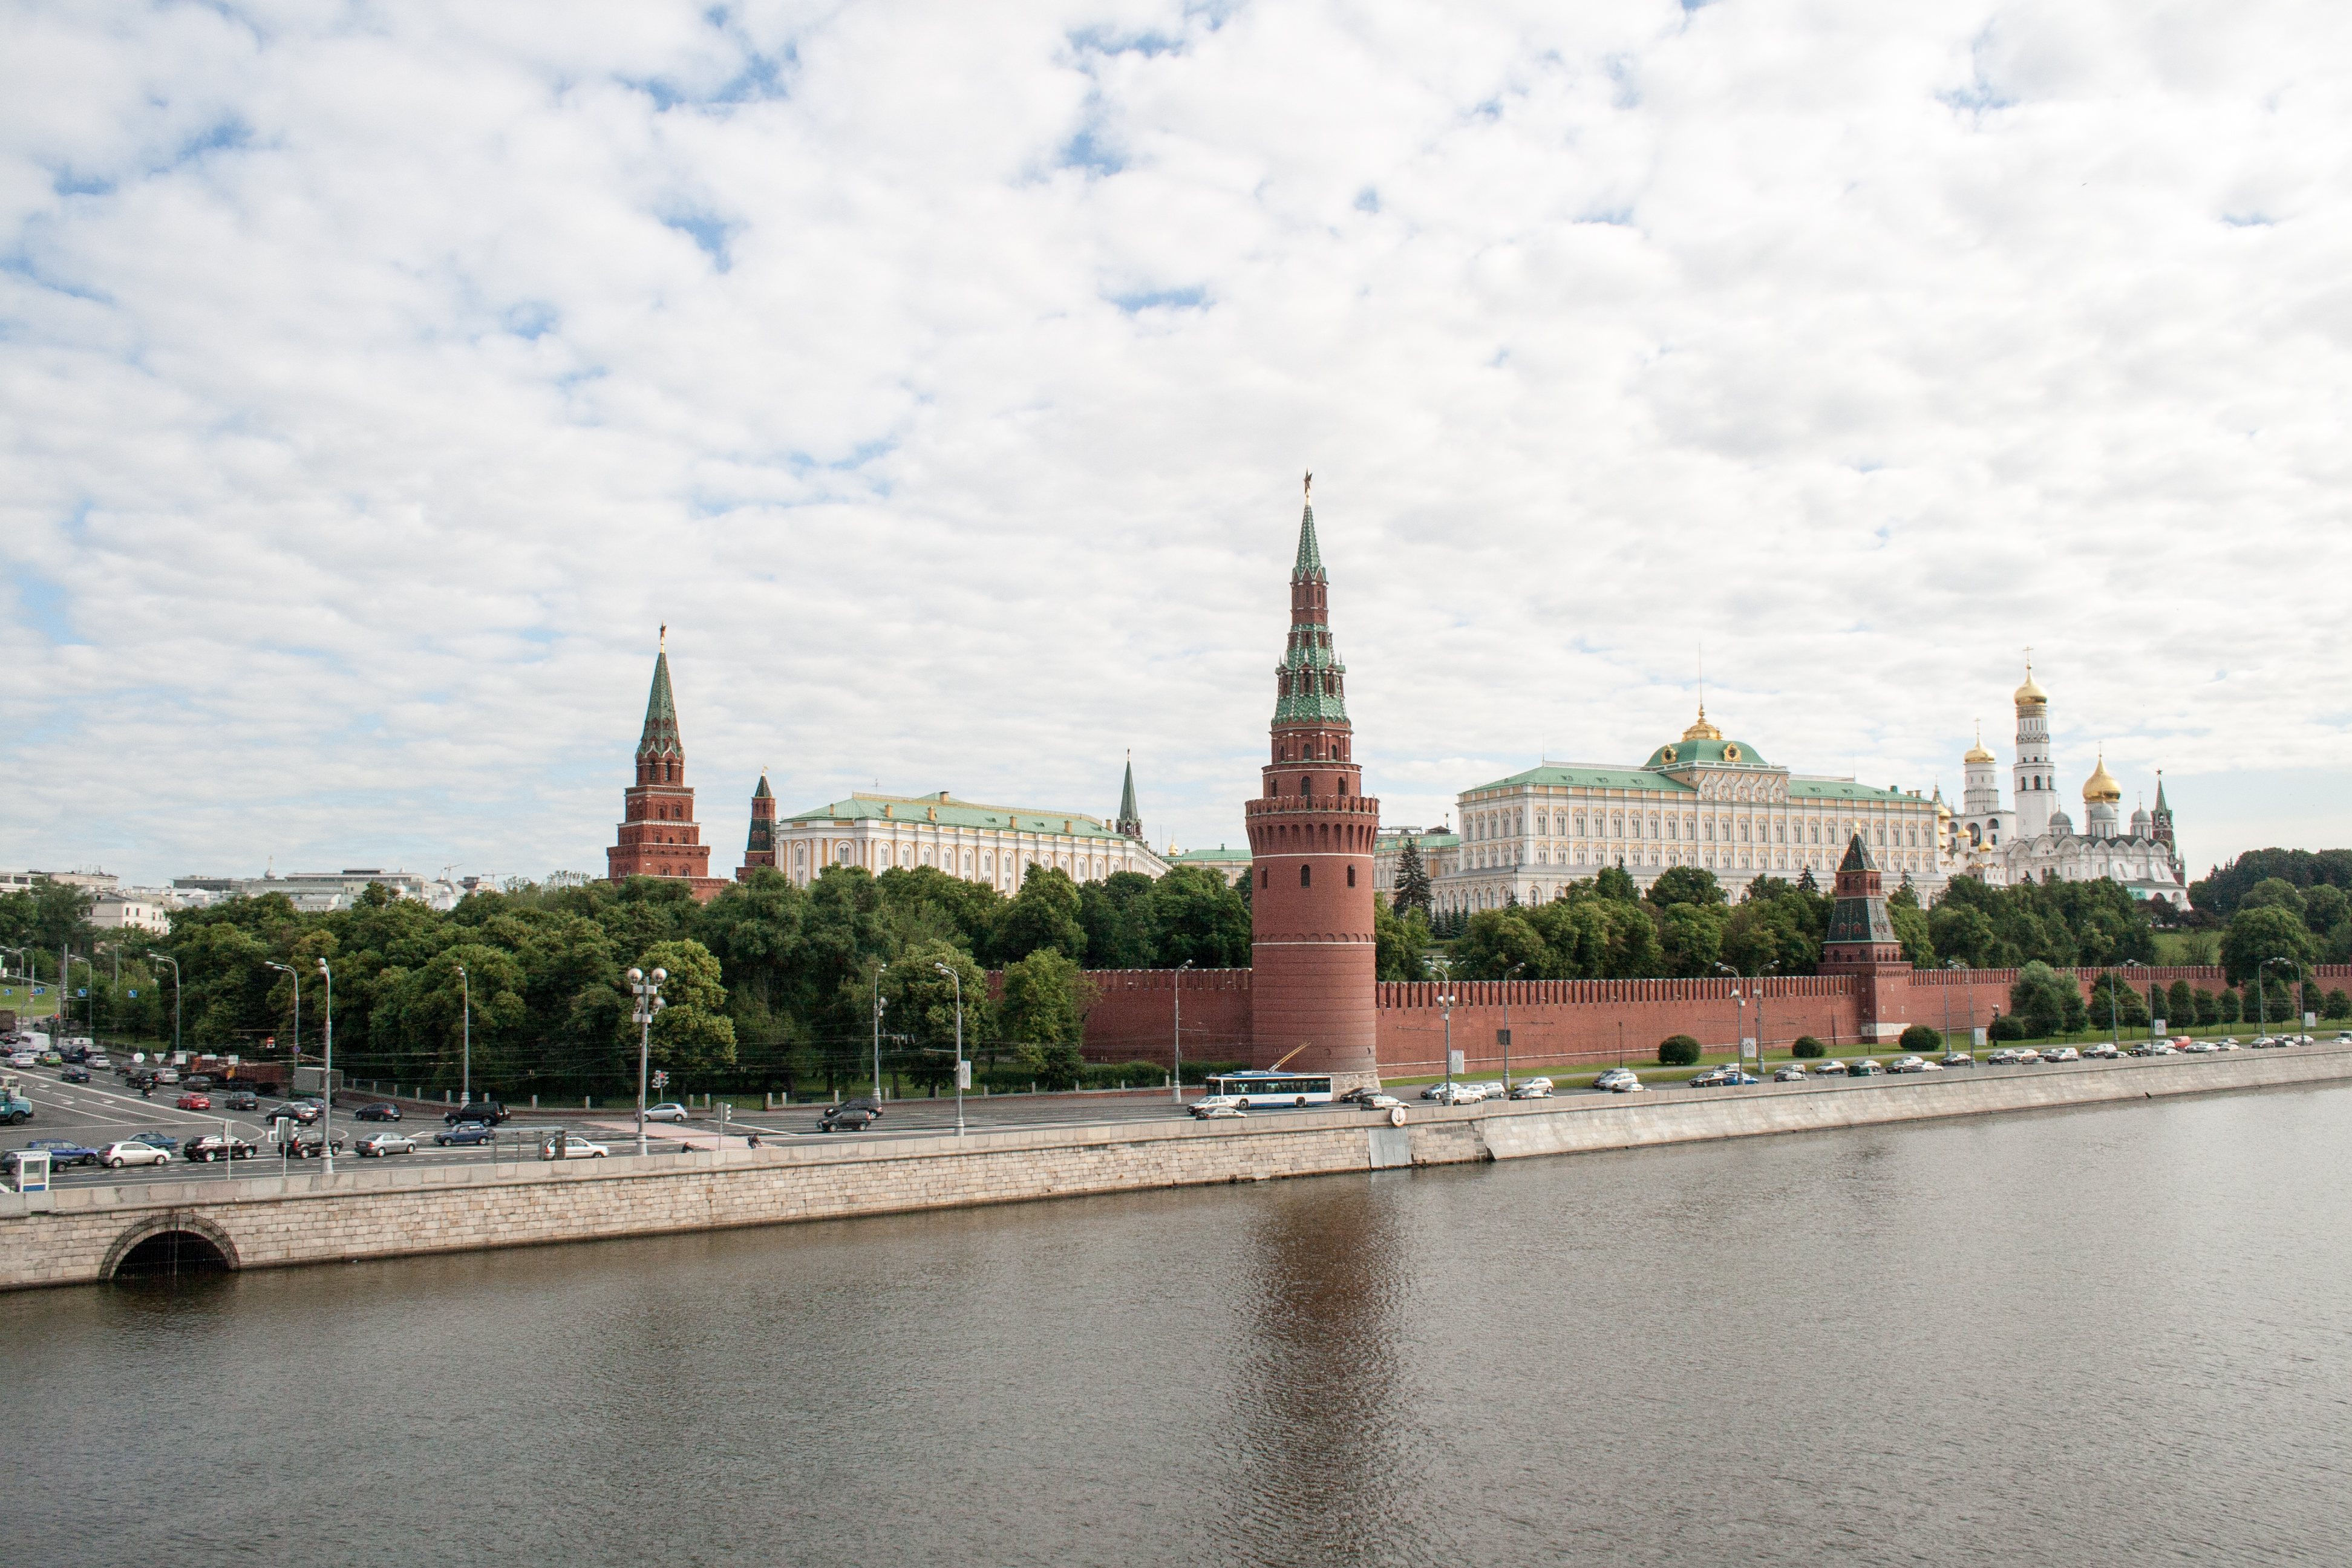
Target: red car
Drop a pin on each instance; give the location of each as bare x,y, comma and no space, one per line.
192,1101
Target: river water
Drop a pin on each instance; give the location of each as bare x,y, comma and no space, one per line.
2119,1334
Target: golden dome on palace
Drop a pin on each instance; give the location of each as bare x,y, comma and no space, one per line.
2031,694
1702,731
2102,784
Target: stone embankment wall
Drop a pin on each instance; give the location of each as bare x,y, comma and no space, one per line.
1569,1022
82,1233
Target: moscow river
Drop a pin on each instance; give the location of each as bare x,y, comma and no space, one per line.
2110,1336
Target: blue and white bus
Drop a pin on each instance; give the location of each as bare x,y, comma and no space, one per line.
1262,1088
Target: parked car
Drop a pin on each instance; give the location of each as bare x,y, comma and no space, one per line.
1432,1091
1618,1081
1792,1073
241,1100
484,1110
212,1146
1458,1094
1379,1102
193,1103
132,1152
1532,1089
2105,1053
850,1116
1907,1064
384,1144
1864,1069
2227,1045
571,1146
1719,1078
75,1074
1490,1089
383,1111
668,1110
2062,1054
466,1134
65,1151
2154,1049
1958,1059
1833,1068
302,1112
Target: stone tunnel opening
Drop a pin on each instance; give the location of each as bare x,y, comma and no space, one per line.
170,1254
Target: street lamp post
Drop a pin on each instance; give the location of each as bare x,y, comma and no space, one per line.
2114,1037
1739,1040
167,958
1445,1001
1507,1027
465,1071
1179,1074
958,978
878,968
1956,963
327,1076
646,989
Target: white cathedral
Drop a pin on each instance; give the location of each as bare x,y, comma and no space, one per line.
2035,841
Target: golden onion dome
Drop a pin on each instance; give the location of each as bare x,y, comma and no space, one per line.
1977,753
1702,731
2102,784
2031,694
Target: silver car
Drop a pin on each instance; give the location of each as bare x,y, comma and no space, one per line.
114,1156
671,1111
384,1143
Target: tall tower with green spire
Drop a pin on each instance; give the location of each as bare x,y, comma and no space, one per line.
1312,833
1130,816
658,835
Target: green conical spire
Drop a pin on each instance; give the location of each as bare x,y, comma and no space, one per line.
1311,555
661,737
1130,816
762,792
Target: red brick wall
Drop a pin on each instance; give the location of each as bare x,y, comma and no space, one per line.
1133,1016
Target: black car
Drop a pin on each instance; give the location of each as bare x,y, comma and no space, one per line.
75,1074
241,1100
850,1116
382,1111
212,1146
301,1111
307,1148
76,1054
197,1083
489,1112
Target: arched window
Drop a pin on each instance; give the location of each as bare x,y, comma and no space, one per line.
1352,876
1305,786
1262,875
1305,876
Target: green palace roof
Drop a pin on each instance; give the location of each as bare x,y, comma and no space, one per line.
1203,857
942,810
1427,840
1710,753
1649,779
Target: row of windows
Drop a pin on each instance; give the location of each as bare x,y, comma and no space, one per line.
1696,830
982,864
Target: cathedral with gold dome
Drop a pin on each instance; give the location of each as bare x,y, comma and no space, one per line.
2033,840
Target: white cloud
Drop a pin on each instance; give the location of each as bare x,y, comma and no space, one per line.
374,380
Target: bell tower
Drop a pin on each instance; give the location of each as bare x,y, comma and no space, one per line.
659,835
1312,831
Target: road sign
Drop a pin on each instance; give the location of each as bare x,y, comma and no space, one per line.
963,1075
134,993
1502,1036
1453,1062
2311,1020
1748,1049
81,990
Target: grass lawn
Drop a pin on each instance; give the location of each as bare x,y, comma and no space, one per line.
2188,947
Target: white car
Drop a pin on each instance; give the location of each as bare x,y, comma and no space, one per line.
1618,1081
384,1143
114,1156
24,1058
1459,1094
1532,1089
1377,1102
2062,1054
1907,1064
571,1146
1217,1105
1830,1068
1491,1089
670,1111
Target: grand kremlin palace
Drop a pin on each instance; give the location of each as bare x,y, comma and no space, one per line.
1700,801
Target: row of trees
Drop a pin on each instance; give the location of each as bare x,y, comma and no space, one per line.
770,985
2220,891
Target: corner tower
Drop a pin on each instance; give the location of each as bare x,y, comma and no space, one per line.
1312,831
1860,941
659,837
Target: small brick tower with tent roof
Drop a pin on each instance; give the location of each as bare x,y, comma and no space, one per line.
1860,941
1130,816
659,837
760,846
1312,833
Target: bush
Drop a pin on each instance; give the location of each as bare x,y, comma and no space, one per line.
1919,1038
1809,1048
1677,1051
1135,1075
2005,1029
2338,1006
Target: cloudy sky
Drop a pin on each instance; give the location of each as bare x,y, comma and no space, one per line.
374,380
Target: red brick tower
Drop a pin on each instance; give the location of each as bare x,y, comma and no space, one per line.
1311,833
659,837
760,849
1861,940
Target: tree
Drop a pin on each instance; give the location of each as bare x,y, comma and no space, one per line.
1615,884
1690,937
1400,942
2116,1001
1412,878
1686,885
1805,883
1116,914
2258,933
2273,892
2181,1004
1677,1051
1043,1014
1044,914
692,1033
2045,1002
923,1010
2338,1006
2228,1008
1498,941
1198,915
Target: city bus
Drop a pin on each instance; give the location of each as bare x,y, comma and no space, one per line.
1262,1087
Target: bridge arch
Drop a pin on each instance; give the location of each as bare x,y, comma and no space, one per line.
177,1241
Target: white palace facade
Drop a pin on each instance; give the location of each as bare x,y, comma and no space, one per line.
996,844
1700,801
